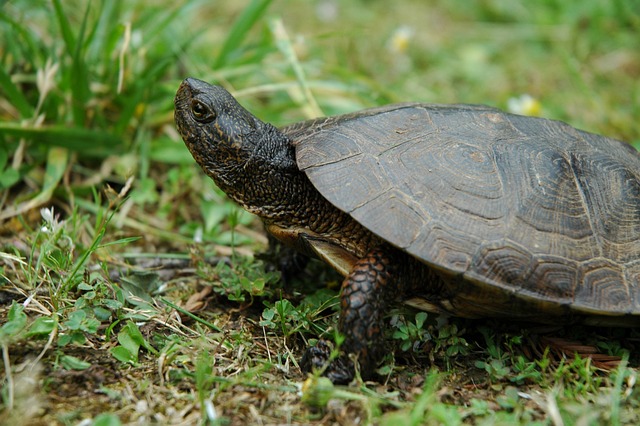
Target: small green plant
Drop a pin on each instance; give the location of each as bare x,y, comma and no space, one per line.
427,408
74,328
577,376
613,347
497,363
450,343
242,279
495,368
96,302
15,324
478,408
106,419
281,314
289,319
410,334
131,340
205,379
503,362
70,362
525,371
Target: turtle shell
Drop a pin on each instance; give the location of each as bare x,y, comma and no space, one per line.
530,206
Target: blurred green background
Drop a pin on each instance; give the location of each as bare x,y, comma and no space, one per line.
97,78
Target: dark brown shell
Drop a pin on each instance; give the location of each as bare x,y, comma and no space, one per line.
528,205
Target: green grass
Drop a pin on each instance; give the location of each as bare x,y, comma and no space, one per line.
135,296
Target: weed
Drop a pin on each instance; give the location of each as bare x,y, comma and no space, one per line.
410,334
288,319
525,371
577,376
130,341
242,280
451,342
504,363
427,409
282,315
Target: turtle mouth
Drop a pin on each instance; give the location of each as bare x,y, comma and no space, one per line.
183,95
181,102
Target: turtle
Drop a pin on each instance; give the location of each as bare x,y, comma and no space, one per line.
458,209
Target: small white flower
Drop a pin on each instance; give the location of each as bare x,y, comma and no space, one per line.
524,105
52,224
47,214
197,236
400,39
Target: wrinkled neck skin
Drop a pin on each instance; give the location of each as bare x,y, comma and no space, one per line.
261,175
265,179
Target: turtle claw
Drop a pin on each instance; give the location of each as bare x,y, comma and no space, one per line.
339,370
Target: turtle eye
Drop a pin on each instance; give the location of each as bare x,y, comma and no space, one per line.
201,112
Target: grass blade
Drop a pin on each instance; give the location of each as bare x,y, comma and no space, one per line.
79,75
14,95
240,28
65,27
79,82
192,316
89,142
21,37
57,160
312,109
138,93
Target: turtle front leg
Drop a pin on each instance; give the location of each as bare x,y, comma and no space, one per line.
366,293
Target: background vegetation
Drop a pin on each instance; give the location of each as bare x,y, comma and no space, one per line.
129,289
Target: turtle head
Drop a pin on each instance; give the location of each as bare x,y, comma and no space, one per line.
231,145
212,123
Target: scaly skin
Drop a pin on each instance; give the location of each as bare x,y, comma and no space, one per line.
254,164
